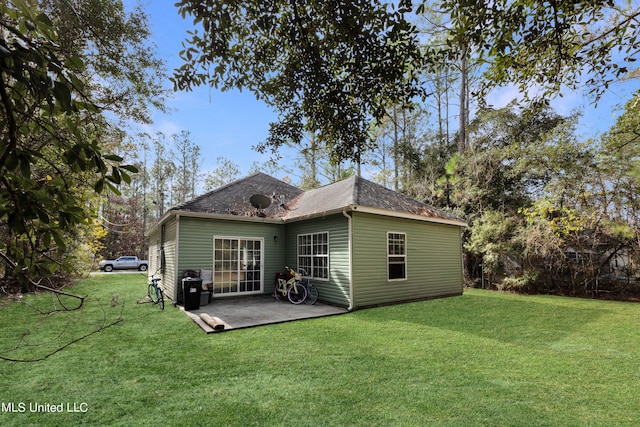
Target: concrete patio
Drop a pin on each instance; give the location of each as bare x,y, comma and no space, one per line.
247,312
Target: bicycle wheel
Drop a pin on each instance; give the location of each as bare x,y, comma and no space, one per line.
297,293
153,295
161,299
276,293
312,294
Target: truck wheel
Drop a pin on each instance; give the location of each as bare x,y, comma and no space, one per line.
142,268
108,268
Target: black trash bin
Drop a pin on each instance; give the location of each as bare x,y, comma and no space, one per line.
185,274
191,289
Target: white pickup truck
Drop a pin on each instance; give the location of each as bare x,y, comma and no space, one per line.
124,263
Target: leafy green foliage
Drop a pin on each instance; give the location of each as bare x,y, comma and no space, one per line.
327,67
113,43
225,172
51,157
548,45
562,221
492,237
620,160
549,213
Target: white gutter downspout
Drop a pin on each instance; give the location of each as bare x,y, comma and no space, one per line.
344,212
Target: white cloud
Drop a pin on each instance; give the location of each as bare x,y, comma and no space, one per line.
564,105
500,97
167,127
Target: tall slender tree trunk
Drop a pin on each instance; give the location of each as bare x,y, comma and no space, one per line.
395,149
462,134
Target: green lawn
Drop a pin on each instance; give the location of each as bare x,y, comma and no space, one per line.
484,358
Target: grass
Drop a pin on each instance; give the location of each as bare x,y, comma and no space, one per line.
484,358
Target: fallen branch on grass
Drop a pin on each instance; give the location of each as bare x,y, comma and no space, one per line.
102,327
57,292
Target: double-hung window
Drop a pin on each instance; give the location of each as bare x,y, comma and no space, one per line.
313,254
396,256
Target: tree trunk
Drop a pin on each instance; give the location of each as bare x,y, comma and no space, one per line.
395,149
462,133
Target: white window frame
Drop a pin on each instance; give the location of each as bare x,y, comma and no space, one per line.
313,256
239,270
394,255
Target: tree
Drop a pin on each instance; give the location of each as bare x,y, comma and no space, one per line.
122,218
577,211
450,61
515,157
270,167
398,152
224,173
327,67
51,163
547,45
495,172
162,172
311,159
115,46
54,133
186,155
618,182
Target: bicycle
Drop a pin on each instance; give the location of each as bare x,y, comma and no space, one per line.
312,291
291,286
155,292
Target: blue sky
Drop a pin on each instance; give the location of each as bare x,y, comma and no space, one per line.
229,124
224,124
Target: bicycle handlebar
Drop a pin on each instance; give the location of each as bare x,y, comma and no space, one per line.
302,270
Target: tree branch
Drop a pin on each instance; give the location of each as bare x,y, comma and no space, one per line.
46,288
13,129
73,341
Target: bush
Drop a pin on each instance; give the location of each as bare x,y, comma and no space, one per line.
523,283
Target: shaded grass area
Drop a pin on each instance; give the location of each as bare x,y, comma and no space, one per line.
484,358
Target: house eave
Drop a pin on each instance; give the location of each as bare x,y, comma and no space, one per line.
314,215
228,217
407,215
377,211
162,220
322,214
208,215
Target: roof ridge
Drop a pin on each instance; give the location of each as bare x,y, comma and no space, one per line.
356,189
223,187
412,199
355,193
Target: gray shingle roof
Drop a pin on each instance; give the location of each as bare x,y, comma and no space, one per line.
289,202
357,191
233,198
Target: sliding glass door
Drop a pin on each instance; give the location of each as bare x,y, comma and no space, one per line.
237,265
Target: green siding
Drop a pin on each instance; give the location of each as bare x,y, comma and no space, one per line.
196,243
434,260
336,290
434,257
154,250
155,242
170,254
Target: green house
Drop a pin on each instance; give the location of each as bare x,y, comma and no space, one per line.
361,244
